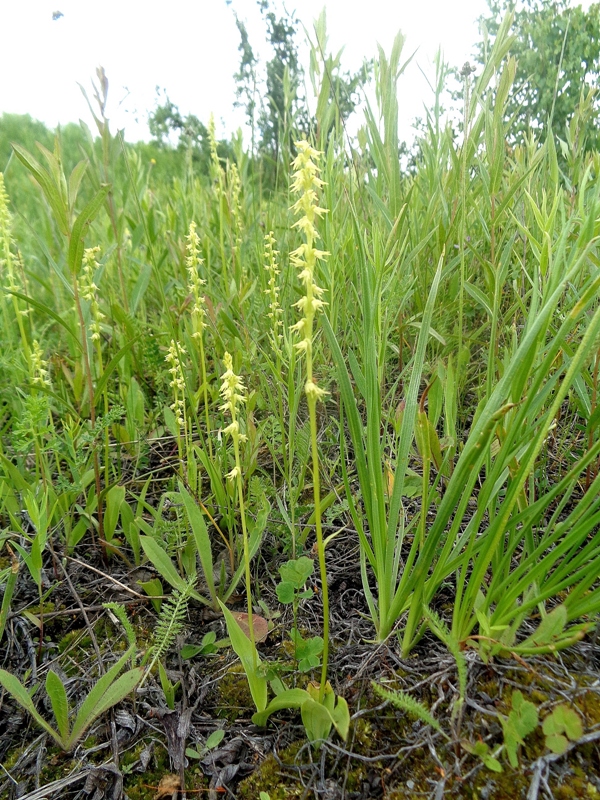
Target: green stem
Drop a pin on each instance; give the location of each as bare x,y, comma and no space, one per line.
205,392
236,448
312,410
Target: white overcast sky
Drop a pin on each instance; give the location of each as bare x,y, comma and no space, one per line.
189,48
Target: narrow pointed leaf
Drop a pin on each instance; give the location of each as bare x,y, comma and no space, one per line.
60,705
249,658
101,699
16,689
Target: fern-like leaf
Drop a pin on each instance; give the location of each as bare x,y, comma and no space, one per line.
170,621
120,613
441,630
407,703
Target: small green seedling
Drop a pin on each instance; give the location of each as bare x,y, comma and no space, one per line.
307,651
214,740
560,727
482,751
169,688
294,575
522,720
207,647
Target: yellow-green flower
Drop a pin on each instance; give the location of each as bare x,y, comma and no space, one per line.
234,393
195,284
6,256
275,311
177,383
40,375
88,290
306,182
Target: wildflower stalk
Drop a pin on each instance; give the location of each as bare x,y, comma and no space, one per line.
177,384
90,387
275,310
306,182
233,392
275,314
88,291
193,262
235,188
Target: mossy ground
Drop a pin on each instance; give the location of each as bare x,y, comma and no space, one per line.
389,753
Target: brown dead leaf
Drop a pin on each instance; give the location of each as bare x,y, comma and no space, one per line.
259,624
169,786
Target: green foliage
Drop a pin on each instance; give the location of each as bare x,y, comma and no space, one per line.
307,651
207,646
294,575
521,721
440,629
406,703
106,692
248,655
284,116
557,48
290,590
169,688
458,368
560,727
9,589
120,613
319,716
179,140
214,740
170,622
482,751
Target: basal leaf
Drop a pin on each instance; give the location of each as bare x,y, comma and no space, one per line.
290,698
60,705
249,657
285,592
15,688
201,538
164,565
112,694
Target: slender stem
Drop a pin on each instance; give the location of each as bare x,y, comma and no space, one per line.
90,386
205,393
240,489
312,410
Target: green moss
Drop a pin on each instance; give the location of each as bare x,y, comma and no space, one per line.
44,608
575,788
234,697
77,637
500,785
589,704
141,786
12,758
269,778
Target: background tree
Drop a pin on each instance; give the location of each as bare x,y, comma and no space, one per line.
558,54
283,116
169,127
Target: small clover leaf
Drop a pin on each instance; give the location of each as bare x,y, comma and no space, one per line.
297,571
307,650
562,725
285,592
